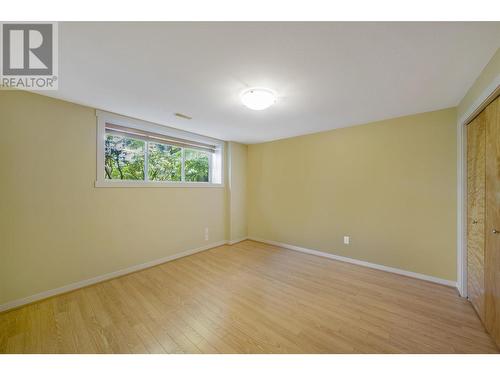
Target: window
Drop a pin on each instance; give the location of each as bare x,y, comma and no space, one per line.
196,166
135,153
165,162
124,158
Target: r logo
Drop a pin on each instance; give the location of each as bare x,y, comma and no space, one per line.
27,49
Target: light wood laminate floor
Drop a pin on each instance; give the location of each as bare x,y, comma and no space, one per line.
250,298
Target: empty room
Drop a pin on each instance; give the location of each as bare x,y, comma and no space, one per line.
250,188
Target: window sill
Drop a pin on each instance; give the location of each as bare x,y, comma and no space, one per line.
154,184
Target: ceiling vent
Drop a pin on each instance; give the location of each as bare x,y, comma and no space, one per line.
182,115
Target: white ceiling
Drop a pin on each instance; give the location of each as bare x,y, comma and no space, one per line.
327,75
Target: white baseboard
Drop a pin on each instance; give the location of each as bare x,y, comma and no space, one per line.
80,284
98,279
232,242
359,262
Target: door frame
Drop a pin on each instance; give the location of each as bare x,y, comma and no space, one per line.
486,97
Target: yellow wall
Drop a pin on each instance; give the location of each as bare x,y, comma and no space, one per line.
237,181
57,228
390,185
489,73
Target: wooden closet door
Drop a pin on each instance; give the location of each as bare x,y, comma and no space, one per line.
492,228
476,138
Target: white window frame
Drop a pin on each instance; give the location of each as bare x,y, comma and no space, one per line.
216,162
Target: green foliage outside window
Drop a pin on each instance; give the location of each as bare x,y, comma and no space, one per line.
124,160
196,166
165,162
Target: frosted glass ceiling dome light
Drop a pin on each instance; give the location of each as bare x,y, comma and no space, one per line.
258,98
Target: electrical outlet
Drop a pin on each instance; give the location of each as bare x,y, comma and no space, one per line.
347,240
206,234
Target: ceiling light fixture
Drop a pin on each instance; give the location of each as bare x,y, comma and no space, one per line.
258,98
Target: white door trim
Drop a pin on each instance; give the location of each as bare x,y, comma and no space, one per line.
486,97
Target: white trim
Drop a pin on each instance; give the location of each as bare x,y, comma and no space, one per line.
232,242
81,284
229,155
98,279
486,97
105,117
380,267
461,213
146,162
183,166
153,184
